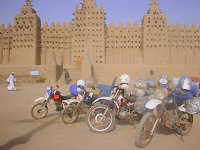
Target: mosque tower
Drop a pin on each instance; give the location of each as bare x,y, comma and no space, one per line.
155,36
26,37
88,32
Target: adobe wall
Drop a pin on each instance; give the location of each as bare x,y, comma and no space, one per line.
58,38
123,44
22,73
106,73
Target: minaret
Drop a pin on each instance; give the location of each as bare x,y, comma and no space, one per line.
26,37
89,3
154,2
154,36
88,33
154,9
28,3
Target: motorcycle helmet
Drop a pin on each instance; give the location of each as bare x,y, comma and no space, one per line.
56,92
80,85
184,84
163,81
124,81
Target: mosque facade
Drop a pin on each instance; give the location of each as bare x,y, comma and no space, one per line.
155,42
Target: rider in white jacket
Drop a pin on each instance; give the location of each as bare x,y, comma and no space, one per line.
81,89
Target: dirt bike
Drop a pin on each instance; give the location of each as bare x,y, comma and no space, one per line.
166,112
101,117
76,107
51,98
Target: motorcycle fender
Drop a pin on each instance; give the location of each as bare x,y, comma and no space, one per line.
101,98
40,99
151,104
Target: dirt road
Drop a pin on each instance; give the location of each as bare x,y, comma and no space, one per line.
18,131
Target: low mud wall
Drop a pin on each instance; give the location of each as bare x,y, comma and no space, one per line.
103,73
106,73
23,73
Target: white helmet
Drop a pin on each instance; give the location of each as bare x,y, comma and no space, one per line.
124,81
81,83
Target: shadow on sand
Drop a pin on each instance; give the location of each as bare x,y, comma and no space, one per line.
164,130
26,137
32,120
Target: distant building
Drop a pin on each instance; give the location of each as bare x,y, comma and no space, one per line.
153,43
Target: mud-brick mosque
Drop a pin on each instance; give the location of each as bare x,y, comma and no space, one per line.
89,48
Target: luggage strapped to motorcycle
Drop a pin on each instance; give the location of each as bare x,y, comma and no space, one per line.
193,105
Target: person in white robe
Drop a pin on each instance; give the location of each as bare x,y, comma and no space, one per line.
11,79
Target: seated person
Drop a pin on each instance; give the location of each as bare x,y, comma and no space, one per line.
84,95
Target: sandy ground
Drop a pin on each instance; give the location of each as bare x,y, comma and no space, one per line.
18,131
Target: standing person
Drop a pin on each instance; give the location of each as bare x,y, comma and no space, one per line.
11,79
67,77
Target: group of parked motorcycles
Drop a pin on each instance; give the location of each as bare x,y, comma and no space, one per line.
149,103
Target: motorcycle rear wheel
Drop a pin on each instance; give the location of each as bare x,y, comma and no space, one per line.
100,121
70,114
187,125
39,111
144,136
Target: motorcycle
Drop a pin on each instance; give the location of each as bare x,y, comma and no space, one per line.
164,110
51,98
101,117
77,106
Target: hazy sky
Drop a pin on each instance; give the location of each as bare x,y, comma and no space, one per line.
62,10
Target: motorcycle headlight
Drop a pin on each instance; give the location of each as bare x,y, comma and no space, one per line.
161,93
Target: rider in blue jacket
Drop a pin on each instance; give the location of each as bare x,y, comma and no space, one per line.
186,89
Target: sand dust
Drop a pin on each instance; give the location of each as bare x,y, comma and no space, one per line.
18,131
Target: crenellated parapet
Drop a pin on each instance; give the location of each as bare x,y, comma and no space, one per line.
58,38
184,43
123,43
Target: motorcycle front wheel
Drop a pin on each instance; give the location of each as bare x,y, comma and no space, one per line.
39,111
70,114
144,135
100,119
